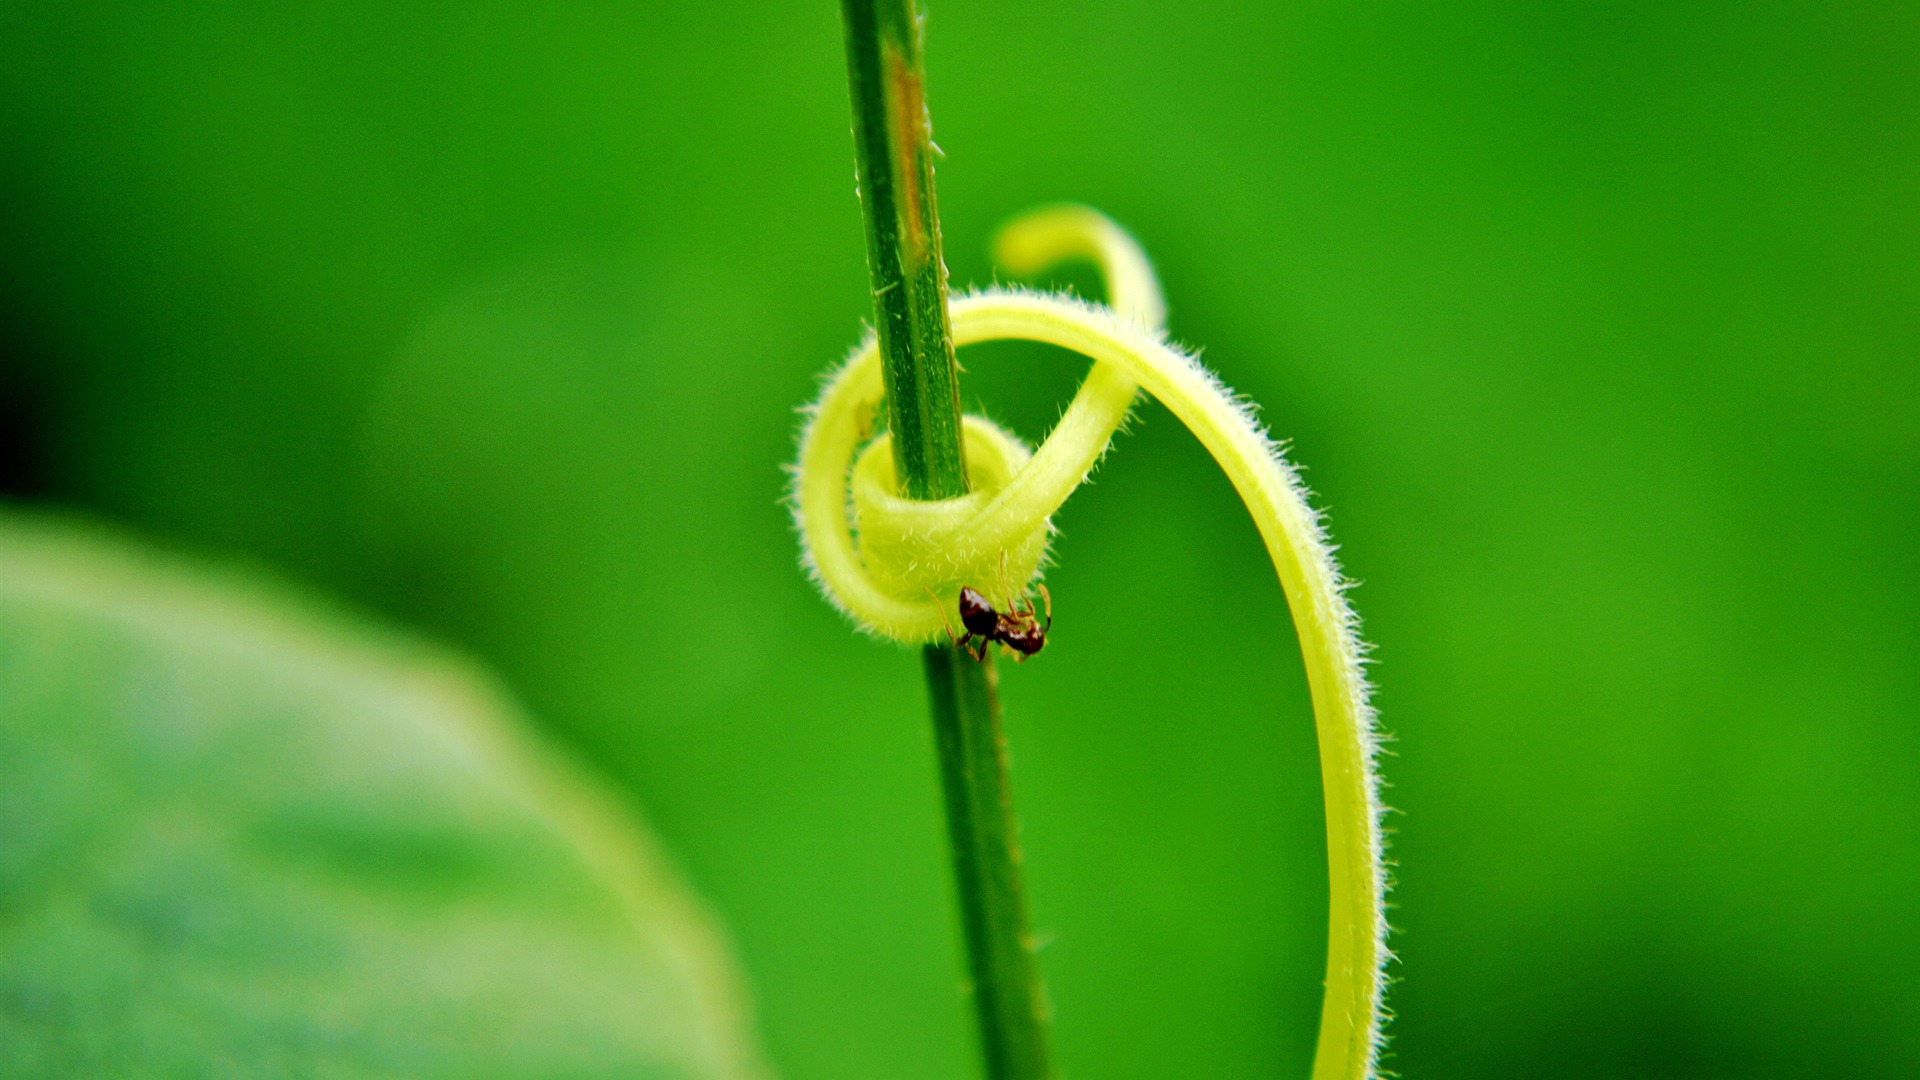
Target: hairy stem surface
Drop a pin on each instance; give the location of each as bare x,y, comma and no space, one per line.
894,158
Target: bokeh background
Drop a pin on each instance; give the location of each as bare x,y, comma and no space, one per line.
1596,327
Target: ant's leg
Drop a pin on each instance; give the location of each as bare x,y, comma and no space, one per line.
1048,597
958,641
1015,604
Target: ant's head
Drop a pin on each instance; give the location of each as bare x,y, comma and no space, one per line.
976,614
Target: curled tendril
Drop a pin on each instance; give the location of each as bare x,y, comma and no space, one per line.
895,566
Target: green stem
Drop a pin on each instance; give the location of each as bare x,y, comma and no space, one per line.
1007,995
893,152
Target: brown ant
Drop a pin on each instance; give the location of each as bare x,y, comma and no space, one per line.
1018,628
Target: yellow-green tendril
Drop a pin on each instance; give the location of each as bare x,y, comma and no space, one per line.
895,566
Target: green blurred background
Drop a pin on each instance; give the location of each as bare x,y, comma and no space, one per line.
1596,327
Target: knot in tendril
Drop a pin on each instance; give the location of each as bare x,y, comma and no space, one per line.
929,549
897,564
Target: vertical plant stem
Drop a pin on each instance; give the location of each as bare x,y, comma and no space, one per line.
1007,996
894,157
893,154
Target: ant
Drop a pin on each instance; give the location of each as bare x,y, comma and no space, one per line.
1018,628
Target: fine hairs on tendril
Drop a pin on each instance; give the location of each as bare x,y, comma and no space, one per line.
895,566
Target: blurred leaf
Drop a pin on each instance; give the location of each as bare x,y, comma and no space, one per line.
243,837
